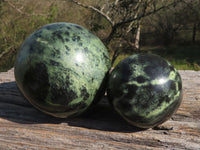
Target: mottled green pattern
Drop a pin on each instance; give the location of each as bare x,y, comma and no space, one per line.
60,68
145,90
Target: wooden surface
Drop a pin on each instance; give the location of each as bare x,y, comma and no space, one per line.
24,127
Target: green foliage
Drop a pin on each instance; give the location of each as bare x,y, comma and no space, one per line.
120,58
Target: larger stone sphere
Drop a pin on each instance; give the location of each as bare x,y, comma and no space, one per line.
145,90
60,69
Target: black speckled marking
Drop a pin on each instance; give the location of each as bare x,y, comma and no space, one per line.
31,49
71,71
84,93
79,27
172,85
58,35
67,40
90,32
152,64
86,50
36,47
145,105
126,71
132,89
36,83
67,33
38,34
76,38
55,53
140,79
53,26
145,100
48,27
54,63
70,94
62,96
162,99
105,56
68,49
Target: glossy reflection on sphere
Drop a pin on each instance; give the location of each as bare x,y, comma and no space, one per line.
145,90
60,69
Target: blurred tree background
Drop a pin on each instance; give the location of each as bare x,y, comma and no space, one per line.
170,28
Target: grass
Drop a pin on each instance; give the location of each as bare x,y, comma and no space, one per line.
120,58
181,57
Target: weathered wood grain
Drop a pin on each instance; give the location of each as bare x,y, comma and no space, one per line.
24,127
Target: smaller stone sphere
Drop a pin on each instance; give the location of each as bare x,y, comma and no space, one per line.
61,69
145,90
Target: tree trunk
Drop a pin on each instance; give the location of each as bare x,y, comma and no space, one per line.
137,37
194,33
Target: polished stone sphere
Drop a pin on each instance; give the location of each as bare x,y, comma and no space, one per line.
61,68
145,90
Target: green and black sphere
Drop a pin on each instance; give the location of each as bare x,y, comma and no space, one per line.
60,69
145,90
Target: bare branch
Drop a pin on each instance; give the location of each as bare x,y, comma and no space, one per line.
144,14
188,4
115,55
116,2
96,10
119,13
130,27
13,6
20,10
